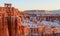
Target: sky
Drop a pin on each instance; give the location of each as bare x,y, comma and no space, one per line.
33,4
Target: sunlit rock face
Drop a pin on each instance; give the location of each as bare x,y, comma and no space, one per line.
9,21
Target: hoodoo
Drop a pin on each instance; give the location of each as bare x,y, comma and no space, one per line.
9,20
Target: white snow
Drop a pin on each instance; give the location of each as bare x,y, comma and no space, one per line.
33,25
50,23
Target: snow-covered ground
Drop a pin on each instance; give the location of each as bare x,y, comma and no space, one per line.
50,23
34,22
34,25
46,24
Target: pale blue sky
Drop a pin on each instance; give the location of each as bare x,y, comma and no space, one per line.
33,4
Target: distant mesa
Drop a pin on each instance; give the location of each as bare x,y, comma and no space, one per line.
54,11
35,10
43,11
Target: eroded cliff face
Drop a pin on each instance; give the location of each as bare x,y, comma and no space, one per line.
9,21
10,27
